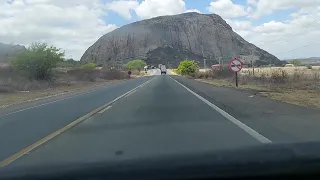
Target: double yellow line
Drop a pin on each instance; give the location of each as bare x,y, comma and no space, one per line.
33,146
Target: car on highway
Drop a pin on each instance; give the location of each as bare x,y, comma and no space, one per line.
163,69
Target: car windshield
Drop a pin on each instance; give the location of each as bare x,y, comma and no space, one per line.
110,81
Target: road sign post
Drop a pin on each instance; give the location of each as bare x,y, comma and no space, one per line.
235,65
236,79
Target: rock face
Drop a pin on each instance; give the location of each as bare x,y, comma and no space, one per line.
7,50
170,39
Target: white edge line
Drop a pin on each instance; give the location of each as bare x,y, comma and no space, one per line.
131,92
241,125
43,104
104,110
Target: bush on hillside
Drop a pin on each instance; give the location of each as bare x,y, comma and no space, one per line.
187,67
135,65
309,66
89,66
111,74
295,62
38,61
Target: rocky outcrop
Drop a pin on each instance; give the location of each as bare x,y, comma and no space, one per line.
7,50
170,39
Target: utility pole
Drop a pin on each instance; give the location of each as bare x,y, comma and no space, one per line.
204,60
221,62
252,63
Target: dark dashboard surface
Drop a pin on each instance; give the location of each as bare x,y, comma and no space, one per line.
270,160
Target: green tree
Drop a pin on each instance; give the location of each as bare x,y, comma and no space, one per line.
295,62
135,65
88,66
38,61
187,67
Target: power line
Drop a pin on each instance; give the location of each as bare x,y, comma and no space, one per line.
298,47
291,34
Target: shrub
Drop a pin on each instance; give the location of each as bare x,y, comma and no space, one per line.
309,66
222,73
84,74
295,62
38,61
187,67
316,75
135,65
111,74
279,76
89,66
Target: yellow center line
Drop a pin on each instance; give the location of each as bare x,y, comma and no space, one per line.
31,147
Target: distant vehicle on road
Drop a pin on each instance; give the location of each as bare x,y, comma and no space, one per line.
159,66
163,69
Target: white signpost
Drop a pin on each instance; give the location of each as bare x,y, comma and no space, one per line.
235,65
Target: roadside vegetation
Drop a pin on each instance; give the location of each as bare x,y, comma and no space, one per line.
42,70
299,85
188,67
135,65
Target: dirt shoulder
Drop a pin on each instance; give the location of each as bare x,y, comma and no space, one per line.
305,98
278,121
9,99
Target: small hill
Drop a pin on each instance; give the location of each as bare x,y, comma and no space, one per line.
170,39
8,50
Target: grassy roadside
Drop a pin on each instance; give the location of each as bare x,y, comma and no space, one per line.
8,99
305,98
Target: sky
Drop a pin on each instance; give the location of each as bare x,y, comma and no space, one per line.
286,28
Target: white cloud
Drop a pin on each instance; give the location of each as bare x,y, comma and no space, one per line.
193,10
123,7
149,8
268,6
252,2
243,28
279,38
270,27
227,9
153,8
70,25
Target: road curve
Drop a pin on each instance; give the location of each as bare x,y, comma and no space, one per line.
161,118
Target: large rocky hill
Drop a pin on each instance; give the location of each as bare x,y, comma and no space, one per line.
170,39
8,50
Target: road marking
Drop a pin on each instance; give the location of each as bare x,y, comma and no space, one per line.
241,125
104,110
33,146
130,93
43,104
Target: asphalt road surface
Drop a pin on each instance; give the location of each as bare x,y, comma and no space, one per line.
151,116
161,117
25,124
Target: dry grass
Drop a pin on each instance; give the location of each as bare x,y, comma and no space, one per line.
15,88
306,98
295,85
267,71
301,97
18,97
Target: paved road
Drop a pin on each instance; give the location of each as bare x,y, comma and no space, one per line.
160,118
32,121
